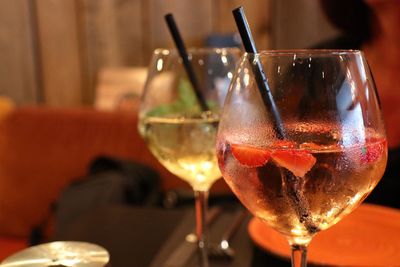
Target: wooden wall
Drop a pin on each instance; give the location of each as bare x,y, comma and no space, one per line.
52,50
18,62
299,24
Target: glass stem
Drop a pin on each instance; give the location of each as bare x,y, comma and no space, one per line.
299,256
201,198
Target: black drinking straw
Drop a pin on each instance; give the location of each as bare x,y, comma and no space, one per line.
185,59
261,80
293,188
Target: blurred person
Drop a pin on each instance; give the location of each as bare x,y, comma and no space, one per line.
373,26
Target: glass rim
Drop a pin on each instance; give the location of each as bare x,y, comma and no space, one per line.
197,50
285,52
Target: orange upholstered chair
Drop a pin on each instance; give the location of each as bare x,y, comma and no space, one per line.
44,149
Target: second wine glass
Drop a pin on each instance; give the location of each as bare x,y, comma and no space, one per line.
179,128
305,163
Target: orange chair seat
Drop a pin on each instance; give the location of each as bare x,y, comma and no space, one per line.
10,245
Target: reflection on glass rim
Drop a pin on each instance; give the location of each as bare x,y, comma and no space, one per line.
305,52
198,50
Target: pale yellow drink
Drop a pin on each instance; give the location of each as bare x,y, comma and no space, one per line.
185,146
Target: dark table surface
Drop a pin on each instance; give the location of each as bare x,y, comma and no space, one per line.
147,236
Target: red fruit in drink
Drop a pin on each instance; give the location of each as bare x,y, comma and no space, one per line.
299,162
373,150
250,156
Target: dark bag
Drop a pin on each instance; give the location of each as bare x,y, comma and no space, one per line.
109,181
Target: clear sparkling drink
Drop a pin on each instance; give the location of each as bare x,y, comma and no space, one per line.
302,187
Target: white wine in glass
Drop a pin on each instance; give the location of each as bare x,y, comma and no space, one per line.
186,147
179,128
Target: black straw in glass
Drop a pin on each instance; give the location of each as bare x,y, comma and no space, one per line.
297,197
261,80
185,59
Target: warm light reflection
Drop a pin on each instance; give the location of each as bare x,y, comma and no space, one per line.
237,87
160,64
246,79
207,165
224,60
224,244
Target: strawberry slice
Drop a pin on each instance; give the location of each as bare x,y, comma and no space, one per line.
299,162
250,156
373,150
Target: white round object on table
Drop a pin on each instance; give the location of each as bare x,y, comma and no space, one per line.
60,254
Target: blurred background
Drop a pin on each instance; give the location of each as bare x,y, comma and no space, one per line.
72,53
65,64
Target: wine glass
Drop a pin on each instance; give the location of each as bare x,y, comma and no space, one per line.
179,120
305,159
